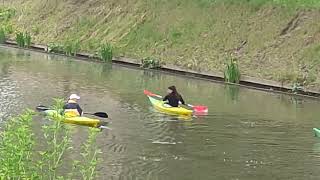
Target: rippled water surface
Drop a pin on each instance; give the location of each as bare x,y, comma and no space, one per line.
248,134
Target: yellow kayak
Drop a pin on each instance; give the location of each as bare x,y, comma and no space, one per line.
161,106
84,121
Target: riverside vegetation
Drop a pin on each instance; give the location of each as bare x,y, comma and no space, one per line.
22,157
275,40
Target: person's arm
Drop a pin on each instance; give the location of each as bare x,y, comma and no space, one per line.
181,100
79,109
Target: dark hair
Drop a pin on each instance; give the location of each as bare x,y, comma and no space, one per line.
174,90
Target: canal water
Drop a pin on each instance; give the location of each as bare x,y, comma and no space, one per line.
247,135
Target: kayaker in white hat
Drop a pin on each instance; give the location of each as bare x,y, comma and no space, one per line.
72,108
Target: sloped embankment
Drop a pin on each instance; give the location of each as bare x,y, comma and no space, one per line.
271,41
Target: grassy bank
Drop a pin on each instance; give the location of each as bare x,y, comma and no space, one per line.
272,39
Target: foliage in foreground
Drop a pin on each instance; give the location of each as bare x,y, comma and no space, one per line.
23,156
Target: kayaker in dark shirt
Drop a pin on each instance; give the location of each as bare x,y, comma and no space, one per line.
173,97
72,108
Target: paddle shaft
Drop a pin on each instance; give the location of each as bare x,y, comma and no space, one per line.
98,114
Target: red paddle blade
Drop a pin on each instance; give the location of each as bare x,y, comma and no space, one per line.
201,109
148,93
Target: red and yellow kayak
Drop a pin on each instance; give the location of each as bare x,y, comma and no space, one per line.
162,107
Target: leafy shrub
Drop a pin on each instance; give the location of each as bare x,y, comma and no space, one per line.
150,63
6,14
54,47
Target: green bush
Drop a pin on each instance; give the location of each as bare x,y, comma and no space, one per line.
232,72
150,63
6,14
54,47
106,52
8,28
297,87
2,36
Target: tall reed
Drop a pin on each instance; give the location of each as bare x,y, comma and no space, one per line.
27,39
232,72
106,52
2,36
20,39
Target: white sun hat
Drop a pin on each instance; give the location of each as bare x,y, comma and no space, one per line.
74,96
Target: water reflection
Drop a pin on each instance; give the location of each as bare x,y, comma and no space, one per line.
232,92
259,135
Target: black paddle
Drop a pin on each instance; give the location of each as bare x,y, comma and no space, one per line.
98,114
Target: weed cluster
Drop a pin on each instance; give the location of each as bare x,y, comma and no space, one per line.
150,63
23,39
106,52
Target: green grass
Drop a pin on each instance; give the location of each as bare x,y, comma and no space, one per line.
71,48
285,3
